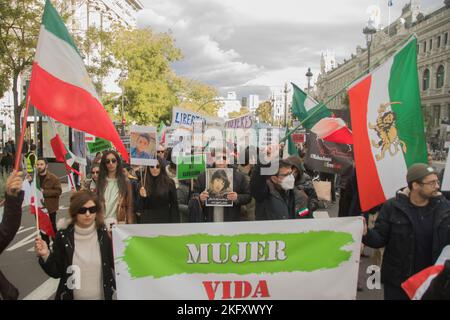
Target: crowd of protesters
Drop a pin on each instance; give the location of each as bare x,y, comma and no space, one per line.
413,227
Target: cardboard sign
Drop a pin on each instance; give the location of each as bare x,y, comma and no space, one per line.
190,167
99,145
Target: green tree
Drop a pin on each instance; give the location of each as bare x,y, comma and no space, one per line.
19,29
241,112
150,84
196,96
264,112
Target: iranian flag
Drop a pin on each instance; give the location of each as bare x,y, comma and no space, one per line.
37,205
417,285
60,86
290,149
62,153
388,131
319,119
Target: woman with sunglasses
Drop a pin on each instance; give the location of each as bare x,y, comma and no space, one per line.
158,196
114,189
81,252
91,184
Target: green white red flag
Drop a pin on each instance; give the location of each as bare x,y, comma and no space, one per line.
37,205
387,123
318,118
60,86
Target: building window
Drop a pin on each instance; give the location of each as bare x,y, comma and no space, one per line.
445,39
440,77
431,44
424,46
426,80
439,41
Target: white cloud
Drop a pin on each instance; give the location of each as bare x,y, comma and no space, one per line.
249,43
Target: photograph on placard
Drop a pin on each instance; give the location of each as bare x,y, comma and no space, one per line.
143,145
219,182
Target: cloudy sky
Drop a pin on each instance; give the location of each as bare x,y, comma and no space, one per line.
250,45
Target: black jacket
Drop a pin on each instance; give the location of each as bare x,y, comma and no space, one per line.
12,217
272,204
61,258
240,186
160,208
394,231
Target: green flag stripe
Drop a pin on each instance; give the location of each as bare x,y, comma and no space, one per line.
299,110
54,24
404,88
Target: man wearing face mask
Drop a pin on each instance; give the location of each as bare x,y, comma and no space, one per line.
276,198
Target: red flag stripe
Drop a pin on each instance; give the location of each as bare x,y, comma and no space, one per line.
342,135
72,106
416,285
366,170
45,224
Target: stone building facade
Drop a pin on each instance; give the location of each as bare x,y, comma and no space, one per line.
433,62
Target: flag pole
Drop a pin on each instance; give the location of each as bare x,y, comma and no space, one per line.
22,134
36,210
363,73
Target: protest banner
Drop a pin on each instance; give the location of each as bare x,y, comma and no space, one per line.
325,156
294,259
242,122
190,167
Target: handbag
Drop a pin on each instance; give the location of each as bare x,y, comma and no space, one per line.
323,190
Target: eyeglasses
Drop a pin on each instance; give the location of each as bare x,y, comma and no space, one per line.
431,183
95,172
108,161
160,151
153,167
284,175
83,210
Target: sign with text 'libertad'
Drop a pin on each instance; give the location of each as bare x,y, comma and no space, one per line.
295,259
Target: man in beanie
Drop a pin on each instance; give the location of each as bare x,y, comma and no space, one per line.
414,227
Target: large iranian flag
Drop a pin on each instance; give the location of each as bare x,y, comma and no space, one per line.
387,123
60,86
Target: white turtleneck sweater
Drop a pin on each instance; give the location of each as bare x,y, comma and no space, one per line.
87,257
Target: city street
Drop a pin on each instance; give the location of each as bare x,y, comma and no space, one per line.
20,265
19,262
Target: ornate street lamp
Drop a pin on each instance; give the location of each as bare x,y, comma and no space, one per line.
309,76
369,31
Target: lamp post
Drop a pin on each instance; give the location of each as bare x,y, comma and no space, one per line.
272,101
369,31
123,76
309,76
285,103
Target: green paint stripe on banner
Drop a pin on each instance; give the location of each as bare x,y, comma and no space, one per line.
165,256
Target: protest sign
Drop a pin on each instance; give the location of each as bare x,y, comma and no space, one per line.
294,259
98,145
190,167
328,157
219,182
143,145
